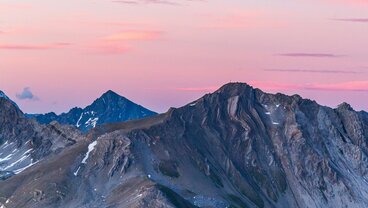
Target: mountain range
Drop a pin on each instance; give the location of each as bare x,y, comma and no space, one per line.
109,108
237,147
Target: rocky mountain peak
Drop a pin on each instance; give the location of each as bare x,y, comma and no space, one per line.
109,108
111,95
8,109
235,88
4,96
109,99
345,106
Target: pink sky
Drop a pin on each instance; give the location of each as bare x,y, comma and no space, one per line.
163,53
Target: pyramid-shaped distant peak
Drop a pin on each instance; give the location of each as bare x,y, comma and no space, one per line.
110,93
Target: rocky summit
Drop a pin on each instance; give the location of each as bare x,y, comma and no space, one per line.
24,142
238,147
109,108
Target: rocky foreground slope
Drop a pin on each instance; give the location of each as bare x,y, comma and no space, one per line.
237,147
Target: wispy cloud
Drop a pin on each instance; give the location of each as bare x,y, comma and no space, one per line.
135,2
122,42
198,89
165,2
26,94
126,2
132,35
311,55
350,2
109,49
239,20
358,86
120,23
230,22
15,6
357,20
32,46
313,71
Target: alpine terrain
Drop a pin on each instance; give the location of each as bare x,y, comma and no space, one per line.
24,142
237,147
109,108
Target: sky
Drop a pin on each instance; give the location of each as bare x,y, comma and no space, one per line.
55,55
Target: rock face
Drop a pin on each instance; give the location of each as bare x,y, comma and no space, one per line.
3,95
109,108
238,147
24,142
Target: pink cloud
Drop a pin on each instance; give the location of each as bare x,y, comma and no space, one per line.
121,42
357,20
147,2
125,24
133,35
313,71
351,2
32,46
311,55
361,86
109,49
233,21
198,89
240,20
14,6
12,31
357,86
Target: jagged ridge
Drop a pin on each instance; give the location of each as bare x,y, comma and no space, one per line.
237,147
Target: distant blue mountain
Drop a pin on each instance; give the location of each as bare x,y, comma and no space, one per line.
109,108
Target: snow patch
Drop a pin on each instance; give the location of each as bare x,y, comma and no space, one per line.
16,162
80,118
6,144
8,157
92,122
22,169
26,152
91,147
76,172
